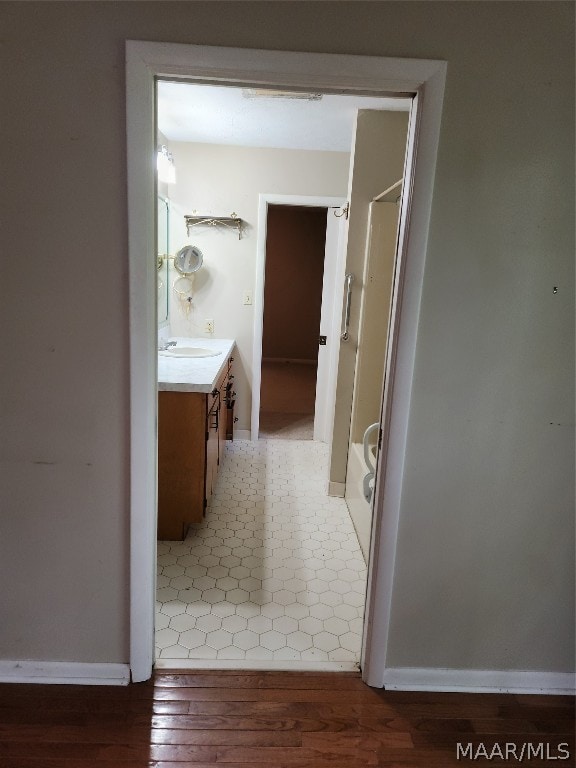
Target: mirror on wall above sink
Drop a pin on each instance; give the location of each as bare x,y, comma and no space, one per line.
163,249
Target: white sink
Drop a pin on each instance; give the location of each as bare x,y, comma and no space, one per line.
188,352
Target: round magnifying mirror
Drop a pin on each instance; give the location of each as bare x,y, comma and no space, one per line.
188,259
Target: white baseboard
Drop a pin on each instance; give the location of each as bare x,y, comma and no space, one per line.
479,681
336,489
242,434
67,672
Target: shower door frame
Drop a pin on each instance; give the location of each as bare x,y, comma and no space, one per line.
329,73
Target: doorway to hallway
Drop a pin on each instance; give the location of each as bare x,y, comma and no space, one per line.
294,270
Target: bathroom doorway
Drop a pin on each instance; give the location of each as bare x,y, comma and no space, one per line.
273,574
273,577
145,61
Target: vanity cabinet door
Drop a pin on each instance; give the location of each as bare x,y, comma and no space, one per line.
181,462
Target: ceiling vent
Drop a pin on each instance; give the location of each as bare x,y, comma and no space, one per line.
267,93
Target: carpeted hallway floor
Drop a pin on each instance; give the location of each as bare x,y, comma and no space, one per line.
287,400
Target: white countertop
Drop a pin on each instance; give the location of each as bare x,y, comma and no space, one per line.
193,374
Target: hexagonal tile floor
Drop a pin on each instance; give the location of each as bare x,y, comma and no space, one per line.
273,574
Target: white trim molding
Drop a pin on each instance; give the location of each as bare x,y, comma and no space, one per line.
480,681
330,73
64,672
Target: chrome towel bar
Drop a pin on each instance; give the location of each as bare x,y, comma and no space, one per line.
348,280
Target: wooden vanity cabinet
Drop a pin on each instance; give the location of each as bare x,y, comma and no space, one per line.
191,435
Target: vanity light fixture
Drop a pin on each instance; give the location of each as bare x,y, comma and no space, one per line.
165,165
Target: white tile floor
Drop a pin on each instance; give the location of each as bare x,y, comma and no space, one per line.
273,576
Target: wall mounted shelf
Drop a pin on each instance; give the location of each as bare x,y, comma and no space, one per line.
231,222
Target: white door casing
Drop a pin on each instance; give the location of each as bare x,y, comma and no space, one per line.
331,73
332,289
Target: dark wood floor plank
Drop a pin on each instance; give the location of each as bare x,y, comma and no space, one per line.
480,710
513,726
350,741
145,735
280,680
542,700
286,709
272,694
261,723
447,740
102,706
290,755
555,725
351,762
112,753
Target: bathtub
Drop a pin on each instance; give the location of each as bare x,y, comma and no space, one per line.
360,510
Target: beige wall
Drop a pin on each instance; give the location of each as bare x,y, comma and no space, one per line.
217,180
484,569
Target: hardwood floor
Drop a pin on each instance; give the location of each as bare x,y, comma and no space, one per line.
271,720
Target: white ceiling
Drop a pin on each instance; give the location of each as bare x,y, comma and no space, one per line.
222,115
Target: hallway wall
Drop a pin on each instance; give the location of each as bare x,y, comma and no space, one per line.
485,564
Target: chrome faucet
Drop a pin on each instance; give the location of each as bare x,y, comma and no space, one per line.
163,346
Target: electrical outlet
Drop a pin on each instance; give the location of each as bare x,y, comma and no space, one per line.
208,326
247,297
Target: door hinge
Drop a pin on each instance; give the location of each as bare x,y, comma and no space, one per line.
380,438
322,341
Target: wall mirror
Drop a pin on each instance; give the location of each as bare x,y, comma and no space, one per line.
188,260
163,263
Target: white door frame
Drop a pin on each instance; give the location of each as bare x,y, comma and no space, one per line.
264,200
310,71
